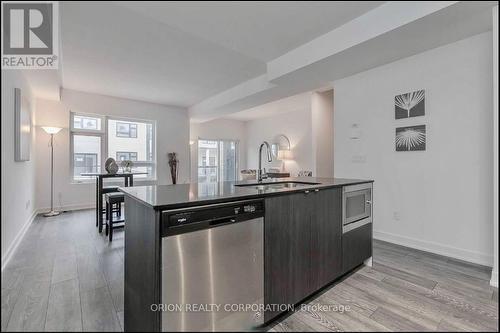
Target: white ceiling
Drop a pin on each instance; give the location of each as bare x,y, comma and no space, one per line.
180,53
112,50
262,30
364,43
216,58
285,105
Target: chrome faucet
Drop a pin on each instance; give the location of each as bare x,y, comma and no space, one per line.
269,159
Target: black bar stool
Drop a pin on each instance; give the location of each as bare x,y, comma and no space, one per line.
106,189
114,202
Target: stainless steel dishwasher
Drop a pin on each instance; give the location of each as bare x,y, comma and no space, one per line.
213,267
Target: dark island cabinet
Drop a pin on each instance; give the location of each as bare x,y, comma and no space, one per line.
356,247
326,235
302,245
285,250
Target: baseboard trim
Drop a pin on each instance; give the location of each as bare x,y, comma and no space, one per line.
494,279
17,240
448,251
68,208
8,255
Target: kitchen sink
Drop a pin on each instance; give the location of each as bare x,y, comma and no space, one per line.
276,186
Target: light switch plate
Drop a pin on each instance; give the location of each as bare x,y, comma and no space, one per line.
358,158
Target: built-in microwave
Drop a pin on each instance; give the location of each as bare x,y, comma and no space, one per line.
357,206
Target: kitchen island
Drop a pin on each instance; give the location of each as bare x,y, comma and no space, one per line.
300,245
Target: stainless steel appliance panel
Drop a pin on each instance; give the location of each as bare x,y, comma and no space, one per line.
221,265
357,208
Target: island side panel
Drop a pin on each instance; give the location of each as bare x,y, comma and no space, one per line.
142,267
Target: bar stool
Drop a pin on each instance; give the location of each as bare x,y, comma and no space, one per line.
106,189
114,202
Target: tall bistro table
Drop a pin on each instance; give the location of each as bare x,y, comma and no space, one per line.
100,190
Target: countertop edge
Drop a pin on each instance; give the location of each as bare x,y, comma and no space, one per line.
145,203
238,197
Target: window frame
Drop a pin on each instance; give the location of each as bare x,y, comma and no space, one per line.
102,133
129,155
218,160
236,157
88,115
85,117
153,162
217,166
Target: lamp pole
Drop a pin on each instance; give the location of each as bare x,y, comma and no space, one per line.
51,131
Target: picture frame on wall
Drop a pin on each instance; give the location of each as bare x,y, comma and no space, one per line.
411,138
408,105
22,127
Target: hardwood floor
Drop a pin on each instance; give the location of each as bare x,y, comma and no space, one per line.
405,290
65,276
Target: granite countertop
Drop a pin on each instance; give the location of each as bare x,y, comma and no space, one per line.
185,195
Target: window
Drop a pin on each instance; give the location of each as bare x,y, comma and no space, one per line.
95,138
134,141
217,160
126,130
86,123
87,138
85,162
126,156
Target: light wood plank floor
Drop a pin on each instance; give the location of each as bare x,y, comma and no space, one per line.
65,276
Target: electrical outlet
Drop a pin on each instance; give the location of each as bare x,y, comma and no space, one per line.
396,216
28,204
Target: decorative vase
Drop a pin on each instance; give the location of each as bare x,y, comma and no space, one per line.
127,166
173,162
111,166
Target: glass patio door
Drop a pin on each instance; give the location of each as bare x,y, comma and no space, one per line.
217,160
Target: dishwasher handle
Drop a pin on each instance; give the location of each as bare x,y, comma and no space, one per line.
223,220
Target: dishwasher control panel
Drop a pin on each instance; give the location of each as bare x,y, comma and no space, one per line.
199,217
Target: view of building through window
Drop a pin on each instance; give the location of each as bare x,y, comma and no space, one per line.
207,161
126,156
87,123
126,130
131,140
86,154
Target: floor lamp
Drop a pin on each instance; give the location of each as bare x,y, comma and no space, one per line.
52,131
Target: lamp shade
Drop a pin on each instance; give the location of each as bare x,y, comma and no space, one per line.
51,130
285,154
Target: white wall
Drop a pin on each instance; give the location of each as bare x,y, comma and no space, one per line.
494,274
439,199
172,135
297,126
322,132
310,130
18,178
227,129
